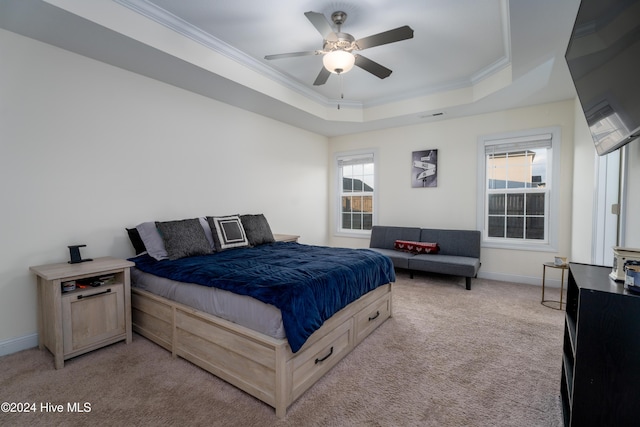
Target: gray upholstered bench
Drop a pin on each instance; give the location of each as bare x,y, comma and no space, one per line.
459,253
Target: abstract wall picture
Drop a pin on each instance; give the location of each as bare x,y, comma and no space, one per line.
424,169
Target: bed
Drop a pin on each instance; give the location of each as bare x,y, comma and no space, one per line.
273,368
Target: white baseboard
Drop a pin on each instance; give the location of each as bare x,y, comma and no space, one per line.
17,344
528,280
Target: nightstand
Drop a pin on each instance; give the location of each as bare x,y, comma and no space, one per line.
82,307
286,237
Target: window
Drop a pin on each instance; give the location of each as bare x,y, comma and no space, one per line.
517,201
356,183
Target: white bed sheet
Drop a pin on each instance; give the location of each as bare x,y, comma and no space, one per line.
240,309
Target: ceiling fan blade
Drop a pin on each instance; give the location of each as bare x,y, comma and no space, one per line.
391,36
322,78
320,22
292,54
372,67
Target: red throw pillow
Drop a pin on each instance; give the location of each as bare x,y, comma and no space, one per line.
416,247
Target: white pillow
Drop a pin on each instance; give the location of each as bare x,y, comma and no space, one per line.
228,232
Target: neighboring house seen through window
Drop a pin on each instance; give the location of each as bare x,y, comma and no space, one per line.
517,197
356,181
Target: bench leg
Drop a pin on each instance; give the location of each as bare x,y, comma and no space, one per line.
410,274
468,279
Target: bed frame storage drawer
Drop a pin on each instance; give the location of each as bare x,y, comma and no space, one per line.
152,318
316,360
371,317
226,354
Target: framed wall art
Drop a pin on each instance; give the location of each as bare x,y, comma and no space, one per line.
424,169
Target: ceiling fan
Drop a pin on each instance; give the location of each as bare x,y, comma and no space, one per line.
338,47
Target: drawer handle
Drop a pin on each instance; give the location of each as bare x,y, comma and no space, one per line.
326,357
375,317
94,295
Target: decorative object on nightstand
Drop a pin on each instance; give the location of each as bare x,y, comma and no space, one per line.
83,306
74,254
561,263
285,237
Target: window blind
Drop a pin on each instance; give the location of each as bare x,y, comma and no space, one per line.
355,160
502,146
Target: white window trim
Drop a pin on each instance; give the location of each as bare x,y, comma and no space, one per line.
550,245
364,234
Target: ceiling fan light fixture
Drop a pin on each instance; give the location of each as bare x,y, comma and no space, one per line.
339,61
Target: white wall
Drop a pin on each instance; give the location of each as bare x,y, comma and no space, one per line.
584,186
87,149
453,203
632,231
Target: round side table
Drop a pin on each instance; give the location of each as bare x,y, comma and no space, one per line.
556,305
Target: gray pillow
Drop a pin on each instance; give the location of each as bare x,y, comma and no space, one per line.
183,238
257,229
152,240
227,232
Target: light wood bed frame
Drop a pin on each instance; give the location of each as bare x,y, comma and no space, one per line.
260,365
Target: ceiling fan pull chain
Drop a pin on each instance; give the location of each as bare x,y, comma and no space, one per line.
341,89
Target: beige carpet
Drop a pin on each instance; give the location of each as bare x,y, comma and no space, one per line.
449,357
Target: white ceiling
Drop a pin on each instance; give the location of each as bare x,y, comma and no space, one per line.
466,57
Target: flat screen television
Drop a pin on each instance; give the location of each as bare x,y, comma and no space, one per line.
603,56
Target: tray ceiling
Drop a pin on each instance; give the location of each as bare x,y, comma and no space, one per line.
466,57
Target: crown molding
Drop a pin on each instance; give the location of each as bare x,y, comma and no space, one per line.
163,17
151,11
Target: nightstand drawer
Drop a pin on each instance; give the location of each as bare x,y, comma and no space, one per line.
95,316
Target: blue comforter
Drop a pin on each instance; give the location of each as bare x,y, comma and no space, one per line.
309,284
